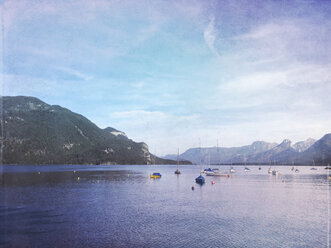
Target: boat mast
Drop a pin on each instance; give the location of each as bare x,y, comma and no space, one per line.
177,159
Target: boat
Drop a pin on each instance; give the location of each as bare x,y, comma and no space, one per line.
200,180
155,175
177,172
270,170
260,168
313,168
247,169
297,170
207,170
216,174
274,172
292,168
232,170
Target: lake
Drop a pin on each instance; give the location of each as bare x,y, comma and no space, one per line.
120,206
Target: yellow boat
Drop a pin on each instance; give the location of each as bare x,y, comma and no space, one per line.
155,175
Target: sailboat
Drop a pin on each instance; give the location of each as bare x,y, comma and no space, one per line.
313,168
200,179
270,169
177,171
216,172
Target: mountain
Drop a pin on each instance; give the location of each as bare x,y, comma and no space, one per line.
320,151
280,154
260,152
303,145
214,155
38,133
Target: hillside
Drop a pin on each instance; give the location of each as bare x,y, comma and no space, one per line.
37,133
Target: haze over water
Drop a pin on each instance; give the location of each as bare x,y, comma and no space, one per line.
120,206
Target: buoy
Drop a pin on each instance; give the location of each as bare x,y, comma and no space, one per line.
212,182
192,187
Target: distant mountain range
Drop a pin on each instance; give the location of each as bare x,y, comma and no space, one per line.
259,152
37,133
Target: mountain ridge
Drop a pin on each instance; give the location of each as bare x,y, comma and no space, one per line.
35,132
308,151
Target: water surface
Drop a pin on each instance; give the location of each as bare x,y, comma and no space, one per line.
120,206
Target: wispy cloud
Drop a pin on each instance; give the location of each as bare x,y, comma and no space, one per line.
75,73
209,35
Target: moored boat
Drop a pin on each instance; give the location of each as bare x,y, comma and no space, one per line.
177,172
216,174
270,170
200,180
207,170
155,175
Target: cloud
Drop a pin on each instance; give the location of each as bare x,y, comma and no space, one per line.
74,73
209,35
138,85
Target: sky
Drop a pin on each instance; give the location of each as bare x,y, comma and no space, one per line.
171,73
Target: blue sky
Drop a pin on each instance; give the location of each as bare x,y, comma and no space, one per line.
171,72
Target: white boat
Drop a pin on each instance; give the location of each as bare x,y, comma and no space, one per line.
270,170
274,172
232,170
216,174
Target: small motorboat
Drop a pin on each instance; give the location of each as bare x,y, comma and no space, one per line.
274,172
200,180
207,170
296,171
247,169
216,174
155,175
177,172
292,168
313,168
328,167
260,168
232,170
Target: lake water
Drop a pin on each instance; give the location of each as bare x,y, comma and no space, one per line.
120,206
